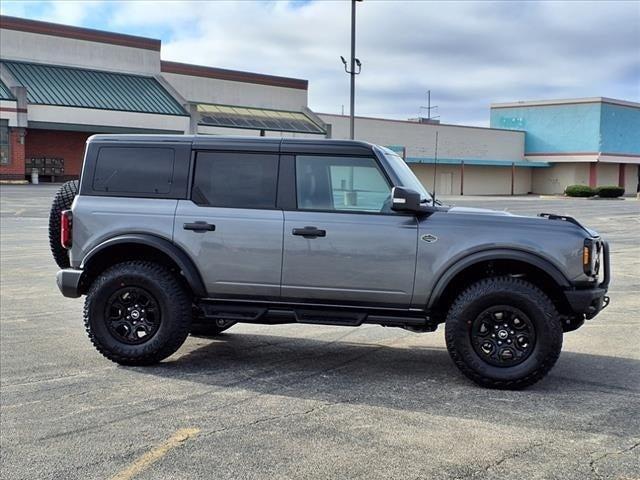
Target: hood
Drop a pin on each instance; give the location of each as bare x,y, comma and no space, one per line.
479,211
543,217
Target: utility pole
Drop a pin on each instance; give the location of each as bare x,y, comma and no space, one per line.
352,71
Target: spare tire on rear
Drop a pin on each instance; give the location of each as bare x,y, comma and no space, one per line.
62,201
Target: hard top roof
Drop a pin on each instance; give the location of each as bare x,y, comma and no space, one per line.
266,144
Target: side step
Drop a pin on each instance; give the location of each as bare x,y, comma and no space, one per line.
282,314
238,313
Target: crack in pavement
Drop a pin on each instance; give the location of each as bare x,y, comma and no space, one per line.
592,463
270,419
513,455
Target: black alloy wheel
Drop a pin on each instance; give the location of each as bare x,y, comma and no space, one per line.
503,336
132,315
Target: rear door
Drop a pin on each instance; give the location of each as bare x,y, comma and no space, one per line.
230,226
342,242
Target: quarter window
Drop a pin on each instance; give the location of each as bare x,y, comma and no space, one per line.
353,184
134,170
235,180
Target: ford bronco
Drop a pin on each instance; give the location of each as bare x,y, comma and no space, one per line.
171,235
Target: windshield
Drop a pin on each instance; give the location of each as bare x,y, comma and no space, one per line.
405,175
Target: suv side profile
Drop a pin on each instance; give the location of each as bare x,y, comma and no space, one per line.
171,235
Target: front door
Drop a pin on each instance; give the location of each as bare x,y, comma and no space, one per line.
343,244
230,227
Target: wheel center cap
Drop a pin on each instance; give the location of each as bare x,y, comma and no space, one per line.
502,334
135,314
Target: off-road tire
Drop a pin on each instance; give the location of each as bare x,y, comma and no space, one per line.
62,201
173,300
519,294
208,329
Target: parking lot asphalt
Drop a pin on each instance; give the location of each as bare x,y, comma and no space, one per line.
302,401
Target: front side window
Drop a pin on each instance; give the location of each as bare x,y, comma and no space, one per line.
350,184
405,174
235,180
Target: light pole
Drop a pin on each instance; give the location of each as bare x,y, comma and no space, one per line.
352,71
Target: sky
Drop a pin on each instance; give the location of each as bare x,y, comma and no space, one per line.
469,54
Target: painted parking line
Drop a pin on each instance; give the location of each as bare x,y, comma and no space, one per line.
156,453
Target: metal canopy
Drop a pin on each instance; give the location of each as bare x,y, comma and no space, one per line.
257,119
5,93
77,87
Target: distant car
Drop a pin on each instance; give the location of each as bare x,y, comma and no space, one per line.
167,235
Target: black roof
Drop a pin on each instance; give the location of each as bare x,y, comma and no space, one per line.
262,144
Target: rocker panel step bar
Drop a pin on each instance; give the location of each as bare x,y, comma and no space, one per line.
316,316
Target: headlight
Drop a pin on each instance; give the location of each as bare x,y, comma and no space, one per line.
591,257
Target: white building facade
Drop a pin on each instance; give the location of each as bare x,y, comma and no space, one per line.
60,84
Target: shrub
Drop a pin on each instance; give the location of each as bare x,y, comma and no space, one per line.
579,191
610,191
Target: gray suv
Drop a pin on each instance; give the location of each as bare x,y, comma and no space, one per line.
172,235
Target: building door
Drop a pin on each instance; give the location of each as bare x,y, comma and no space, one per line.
445,184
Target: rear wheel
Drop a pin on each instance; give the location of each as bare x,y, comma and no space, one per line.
62,201
137,313
503,333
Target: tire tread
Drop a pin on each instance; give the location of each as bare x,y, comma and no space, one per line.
61,201
484,287
175,291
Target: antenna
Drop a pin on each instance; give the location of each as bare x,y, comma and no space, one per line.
435,169
430,118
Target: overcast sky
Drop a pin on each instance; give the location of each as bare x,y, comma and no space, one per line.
469,54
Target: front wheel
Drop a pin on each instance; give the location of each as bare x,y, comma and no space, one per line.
137,313
503,333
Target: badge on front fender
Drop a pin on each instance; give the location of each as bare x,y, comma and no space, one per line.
429,238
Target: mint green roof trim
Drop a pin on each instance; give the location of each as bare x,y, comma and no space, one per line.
475,161
399,149
5,93
76,87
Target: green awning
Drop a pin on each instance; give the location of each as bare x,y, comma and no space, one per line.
5,93
76,87
257,119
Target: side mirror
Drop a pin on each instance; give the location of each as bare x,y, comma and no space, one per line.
405,200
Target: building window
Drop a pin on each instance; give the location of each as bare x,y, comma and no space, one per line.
4,142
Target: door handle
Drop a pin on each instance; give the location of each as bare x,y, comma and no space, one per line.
199,227
309,232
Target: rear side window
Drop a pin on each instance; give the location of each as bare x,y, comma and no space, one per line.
136,170
236,180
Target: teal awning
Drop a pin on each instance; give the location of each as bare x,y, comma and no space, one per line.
5,93
77,87
476,161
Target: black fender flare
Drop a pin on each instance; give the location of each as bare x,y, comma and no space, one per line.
494,254
182,260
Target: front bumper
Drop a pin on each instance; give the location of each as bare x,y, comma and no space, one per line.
589,302
68,281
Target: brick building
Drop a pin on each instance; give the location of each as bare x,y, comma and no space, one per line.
61,84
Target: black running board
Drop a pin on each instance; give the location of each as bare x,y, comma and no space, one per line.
279,314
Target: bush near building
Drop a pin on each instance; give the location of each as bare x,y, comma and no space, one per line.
579,191
610,191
